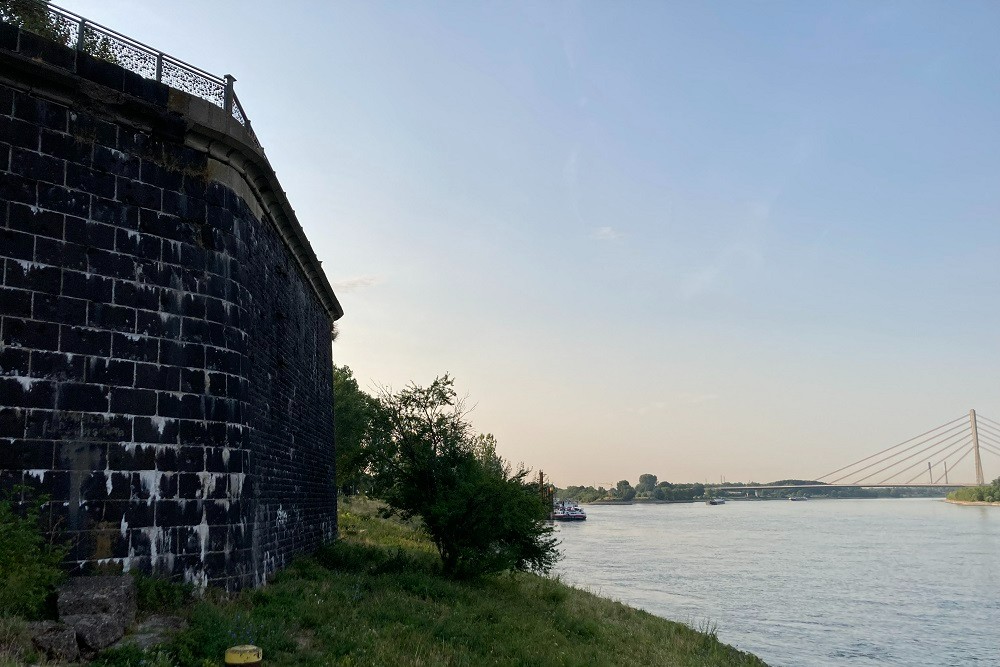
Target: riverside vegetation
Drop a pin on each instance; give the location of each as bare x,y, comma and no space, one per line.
428,574
988,493
378,596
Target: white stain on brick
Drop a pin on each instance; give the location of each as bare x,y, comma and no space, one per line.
25,382
207,481
159,423
236,485
202,530
150,481
28,266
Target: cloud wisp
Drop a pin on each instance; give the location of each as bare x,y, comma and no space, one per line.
606,234
359,282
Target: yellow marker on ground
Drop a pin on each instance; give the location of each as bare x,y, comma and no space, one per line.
244,655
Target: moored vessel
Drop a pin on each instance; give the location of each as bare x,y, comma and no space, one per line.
568,510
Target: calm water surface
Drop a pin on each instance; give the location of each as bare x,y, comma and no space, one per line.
823,582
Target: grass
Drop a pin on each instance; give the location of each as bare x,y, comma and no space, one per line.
377,597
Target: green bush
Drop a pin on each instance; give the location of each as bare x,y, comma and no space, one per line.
159,595
29,561
482,516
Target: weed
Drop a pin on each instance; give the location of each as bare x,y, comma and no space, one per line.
159,595
29,560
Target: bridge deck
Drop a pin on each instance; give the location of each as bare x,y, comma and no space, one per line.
836,486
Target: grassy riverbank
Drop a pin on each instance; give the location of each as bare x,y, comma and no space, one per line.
986,494
376,598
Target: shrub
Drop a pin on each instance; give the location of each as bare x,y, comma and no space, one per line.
29,562
482,516
159,595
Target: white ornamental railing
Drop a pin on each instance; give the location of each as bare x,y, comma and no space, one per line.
81,33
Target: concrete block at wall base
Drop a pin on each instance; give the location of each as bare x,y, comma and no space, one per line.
111,595
95,631
56,640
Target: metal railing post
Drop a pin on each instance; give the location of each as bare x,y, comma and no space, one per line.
159,66
80,32
227,98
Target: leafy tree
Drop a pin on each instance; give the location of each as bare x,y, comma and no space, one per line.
482,515
623,490
646,484
35,17
353,414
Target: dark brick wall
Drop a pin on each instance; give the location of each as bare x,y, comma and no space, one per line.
165,367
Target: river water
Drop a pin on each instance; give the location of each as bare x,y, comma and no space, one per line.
817,583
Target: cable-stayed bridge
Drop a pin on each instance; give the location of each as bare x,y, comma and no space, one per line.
938,457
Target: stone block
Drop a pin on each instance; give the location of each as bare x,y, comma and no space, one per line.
113,596
95,631
56,640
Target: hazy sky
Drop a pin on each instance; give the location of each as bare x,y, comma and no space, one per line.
751,239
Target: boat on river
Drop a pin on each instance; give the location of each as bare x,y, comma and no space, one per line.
568,510
715,501
798,498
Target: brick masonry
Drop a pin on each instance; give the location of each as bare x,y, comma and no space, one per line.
165,364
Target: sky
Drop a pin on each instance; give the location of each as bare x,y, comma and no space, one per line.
752,240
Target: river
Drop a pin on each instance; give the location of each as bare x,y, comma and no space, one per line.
817,583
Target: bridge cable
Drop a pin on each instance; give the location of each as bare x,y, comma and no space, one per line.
919,462
989,429
989,449
940,449
954,465
891,448
954,450
987,419
934,445
886,458
967,452
988,425
957,461
986,443
992,439
988,435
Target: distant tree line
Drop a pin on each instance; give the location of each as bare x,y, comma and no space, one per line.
650,489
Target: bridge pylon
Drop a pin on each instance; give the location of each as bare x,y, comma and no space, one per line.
980,480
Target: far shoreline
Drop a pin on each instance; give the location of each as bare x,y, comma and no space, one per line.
971,502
